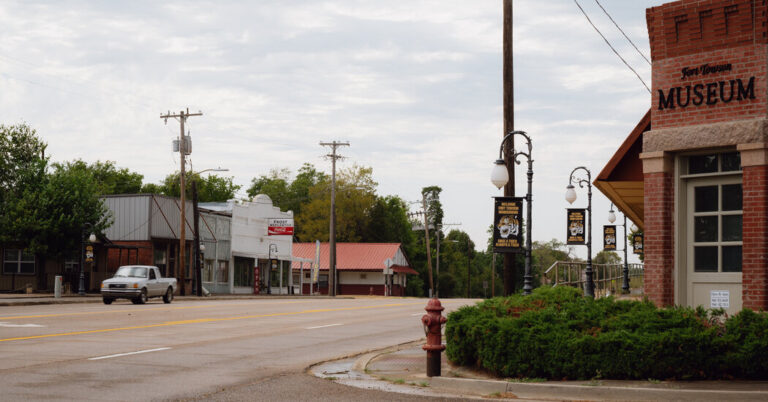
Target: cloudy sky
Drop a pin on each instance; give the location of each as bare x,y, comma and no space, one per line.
415,86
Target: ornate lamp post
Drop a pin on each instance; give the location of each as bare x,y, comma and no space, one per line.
87,227
570,196
500,177
611,219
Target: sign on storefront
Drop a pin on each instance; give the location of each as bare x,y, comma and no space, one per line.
280,227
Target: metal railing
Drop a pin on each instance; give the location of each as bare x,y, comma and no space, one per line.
608,278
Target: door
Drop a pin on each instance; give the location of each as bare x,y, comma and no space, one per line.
714,242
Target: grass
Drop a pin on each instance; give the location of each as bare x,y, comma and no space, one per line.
654,381
527,380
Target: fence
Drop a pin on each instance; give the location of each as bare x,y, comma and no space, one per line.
608,278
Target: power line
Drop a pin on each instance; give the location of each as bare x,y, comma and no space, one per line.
622,32
611,46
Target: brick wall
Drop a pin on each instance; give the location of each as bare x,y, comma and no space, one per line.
659,238
689,34
755,238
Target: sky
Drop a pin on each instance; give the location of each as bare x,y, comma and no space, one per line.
415,87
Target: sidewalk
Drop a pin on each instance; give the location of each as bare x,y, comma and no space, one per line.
403,368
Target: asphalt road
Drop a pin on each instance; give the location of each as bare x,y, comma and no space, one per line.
220,350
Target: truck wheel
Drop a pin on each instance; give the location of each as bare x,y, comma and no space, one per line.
168,296
143,297
108,300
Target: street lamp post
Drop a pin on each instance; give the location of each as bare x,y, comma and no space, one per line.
612,218
87,227
570,196
500,177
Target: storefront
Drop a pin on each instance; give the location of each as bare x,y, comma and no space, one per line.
700,157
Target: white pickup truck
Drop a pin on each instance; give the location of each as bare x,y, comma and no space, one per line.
138,283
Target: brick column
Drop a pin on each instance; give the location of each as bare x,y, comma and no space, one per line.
658,228
754,265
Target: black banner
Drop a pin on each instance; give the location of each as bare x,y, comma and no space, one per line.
508,225
576,226
637,243
609,237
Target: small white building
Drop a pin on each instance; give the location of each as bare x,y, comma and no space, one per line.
258,232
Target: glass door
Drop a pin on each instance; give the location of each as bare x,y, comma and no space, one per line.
714,242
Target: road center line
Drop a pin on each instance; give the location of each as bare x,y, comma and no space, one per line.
128,354
325,326
206,320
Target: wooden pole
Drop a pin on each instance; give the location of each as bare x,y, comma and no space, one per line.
510,270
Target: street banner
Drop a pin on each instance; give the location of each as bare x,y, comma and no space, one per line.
316,263
280,227
508,225
576,226
637,243
609,237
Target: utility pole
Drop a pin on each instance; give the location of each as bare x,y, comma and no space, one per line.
332,241
426,236
510,269
182,117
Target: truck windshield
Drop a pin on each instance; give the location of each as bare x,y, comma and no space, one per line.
131,272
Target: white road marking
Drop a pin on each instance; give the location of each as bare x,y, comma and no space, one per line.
325,326
413,315
9,325
128,354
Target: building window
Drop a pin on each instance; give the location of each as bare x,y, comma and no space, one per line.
363,276
323,279
208,271
17,261
223,275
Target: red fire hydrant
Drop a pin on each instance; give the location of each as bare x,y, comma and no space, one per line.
433,322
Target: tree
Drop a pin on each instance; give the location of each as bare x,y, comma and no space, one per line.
43,212
22,175
109,179
211,188
607,257
288,196
355,197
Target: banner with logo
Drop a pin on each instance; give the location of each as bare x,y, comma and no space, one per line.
637,243
508,225
280,227
576,226
609,237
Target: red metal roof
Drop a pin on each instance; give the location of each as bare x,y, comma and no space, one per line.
352,256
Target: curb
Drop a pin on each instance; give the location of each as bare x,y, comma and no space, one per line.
361,364
585,391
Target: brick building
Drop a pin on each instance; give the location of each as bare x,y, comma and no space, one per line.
693,174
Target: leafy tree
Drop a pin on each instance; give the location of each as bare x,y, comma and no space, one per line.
40,211
211,188
109,179
389,222
22,175
434,207
275,185
355,197
607,257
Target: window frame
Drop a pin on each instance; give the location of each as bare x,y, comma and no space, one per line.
18,262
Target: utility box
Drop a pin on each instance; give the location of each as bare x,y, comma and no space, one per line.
187,145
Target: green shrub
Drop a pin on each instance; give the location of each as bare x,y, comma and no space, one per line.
556,333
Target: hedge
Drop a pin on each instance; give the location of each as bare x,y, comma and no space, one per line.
556,333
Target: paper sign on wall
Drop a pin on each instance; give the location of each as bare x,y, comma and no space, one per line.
719,299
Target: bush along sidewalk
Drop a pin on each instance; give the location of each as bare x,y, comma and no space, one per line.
556,333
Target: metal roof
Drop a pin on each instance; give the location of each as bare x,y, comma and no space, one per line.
355,256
